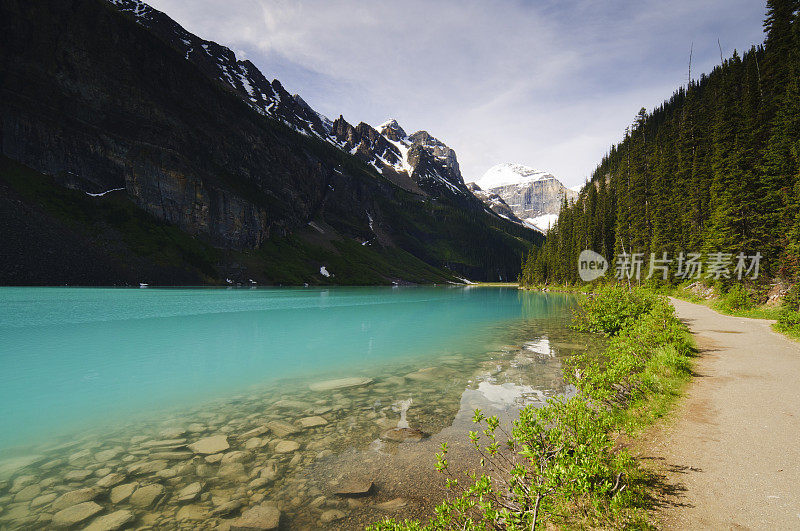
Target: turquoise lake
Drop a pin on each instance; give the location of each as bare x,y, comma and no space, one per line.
183,408
73,357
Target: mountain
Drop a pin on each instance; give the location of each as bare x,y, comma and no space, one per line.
133,151
535,197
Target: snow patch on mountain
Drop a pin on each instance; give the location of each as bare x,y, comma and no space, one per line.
507,174
541,223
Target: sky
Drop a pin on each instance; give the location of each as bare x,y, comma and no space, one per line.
551,84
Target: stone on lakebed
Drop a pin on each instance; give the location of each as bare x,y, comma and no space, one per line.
312,422
210,445
285,447
341,383
354,486
121,493
111,522
259,518
75,514
147,495
74,497
281,428
189,493
401,435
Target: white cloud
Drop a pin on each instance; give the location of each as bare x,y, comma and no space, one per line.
550,84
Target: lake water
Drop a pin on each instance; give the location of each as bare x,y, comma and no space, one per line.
120,382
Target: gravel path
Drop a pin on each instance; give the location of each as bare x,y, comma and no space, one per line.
731,455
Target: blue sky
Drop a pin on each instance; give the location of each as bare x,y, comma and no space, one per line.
550,84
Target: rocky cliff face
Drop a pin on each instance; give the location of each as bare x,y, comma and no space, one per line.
495,203
103,96
530,193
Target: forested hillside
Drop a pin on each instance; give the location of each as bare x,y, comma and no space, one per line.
713,169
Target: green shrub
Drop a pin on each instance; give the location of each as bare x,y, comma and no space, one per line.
622,374
789,322
737,298
792,298
611,309
557,465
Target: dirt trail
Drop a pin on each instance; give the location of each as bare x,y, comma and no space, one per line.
732,453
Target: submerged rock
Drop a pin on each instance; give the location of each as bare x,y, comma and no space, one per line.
191,512
228,507
401,435
253,443
121,493
111,522
285,447
424,375
172,456
260,518
27,493
292,404
9,467
147,467
331,516
392,505
312,422
269,471
341,383
255,432
75,514
107,455
77,475
233,457
172,433
189,493
233,471
354,487
75,497
210,445
44,499
282,429
147,495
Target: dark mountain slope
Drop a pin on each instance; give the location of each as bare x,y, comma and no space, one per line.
98,102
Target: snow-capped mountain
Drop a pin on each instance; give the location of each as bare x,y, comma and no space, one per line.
533,196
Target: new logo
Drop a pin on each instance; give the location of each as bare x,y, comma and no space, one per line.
591,265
